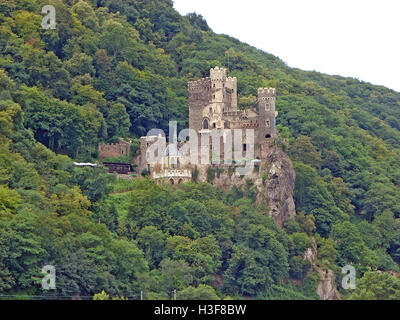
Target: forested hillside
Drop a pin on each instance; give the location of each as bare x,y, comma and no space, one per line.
117,68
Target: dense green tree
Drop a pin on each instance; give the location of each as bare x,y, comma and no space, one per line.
175,275
202,292
377,286
152,242
303,149
351,247
118,122
248,273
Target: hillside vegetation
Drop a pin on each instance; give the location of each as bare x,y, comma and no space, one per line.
117,68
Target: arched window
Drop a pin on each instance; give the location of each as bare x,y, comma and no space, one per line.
268,136
205,124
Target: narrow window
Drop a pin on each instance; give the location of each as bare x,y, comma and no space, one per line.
205,124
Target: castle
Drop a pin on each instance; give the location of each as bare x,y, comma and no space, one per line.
213,105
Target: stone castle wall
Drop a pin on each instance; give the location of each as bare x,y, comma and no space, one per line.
200,94
213,103
114,150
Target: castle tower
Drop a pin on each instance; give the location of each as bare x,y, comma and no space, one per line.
209,98
267,114
200,95
218,79
231,88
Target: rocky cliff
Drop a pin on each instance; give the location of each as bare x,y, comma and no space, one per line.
278,178
274,178
326,287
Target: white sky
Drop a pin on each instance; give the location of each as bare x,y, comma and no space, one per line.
355,38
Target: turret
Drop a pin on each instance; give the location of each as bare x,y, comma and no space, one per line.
267,113
218,78
231,84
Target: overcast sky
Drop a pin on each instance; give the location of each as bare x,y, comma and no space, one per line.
355,38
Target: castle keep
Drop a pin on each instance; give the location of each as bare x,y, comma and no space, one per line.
213,105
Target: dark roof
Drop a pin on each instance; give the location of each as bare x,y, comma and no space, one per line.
117,164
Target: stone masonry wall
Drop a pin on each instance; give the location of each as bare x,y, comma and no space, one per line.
114,150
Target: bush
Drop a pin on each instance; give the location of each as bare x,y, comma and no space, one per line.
202,292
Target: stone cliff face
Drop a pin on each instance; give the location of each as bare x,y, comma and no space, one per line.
278,178
326,287
274,180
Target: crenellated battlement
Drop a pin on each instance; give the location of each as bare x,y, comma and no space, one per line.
267,92
231,82
213,103
218,74
199,85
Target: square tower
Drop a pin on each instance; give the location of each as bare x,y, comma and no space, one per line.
209,98
200,95
267,114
